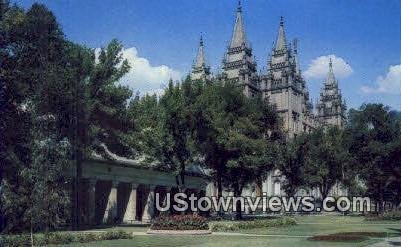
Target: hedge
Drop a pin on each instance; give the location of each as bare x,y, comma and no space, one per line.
180,222
60,238
250,224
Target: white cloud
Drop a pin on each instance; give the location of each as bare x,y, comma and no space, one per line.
319,67
388,84
144,77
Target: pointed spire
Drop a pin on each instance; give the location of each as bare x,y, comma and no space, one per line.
281,41
199,69
200,56
330,75
238,37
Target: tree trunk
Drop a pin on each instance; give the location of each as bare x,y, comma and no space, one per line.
237,193
219,190
180,185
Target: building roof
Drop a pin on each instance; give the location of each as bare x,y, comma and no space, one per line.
142,163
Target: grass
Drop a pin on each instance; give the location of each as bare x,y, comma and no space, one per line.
296,235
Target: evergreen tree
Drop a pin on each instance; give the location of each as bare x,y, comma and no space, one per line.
48,206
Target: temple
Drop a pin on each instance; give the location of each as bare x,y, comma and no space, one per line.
283,85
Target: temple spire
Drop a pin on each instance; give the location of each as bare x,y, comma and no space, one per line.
199,69
281,41
200,56
330,80
238,37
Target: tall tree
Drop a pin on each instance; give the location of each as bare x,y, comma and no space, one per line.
44,75
292,162
233,133
326,159
374,134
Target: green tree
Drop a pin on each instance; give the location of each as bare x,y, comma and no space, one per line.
49,205
374,134
31,45
233,134
42,74
292,162
327,159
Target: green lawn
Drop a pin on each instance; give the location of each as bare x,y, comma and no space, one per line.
282,236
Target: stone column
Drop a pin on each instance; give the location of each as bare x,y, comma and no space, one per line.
110,214
92,202
130,212
149,209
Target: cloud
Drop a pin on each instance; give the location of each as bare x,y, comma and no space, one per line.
319,67
388,84
144,77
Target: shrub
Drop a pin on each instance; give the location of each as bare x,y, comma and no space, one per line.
180,222
115,235
61,238
58,238
250,224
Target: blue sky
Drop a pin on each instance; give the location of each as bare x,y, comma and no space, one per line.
161,38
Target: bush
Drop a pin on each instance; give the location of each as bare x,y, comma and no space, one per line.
388,215
250,224
61,238
180,222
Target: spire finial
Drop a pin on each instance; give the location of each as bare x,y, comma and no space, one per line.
281,21
239,8
201,40
330,75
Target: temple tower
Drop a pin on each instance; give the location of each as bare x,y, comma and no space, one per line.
238,63
200,71
331,108
284,86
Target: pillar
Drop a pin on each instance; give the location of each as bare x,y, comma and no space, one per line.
92,202
149,209
130,212
110,214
